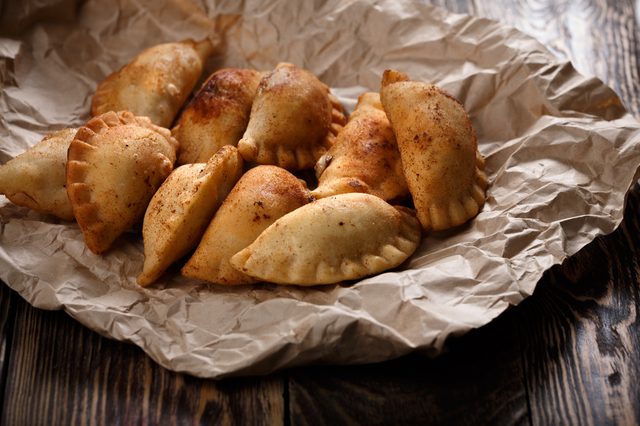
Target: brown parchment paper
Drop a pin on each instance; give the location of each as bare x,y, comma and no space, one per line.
561,153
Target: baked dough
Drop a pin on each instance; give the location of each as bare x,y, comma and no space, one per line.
183,206
438,147
364,158
217,115
261,196
115,164
294,119
36,178
155,83
343,237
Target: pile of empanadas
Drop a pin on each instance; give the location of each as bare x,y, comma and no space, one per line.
234,210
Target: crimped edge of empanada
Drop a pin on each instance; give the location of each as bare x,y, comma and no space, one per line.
391,254
458,210
338,118
297,158
79,192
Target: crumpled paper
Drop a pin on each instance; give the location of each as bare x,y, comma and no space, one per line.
561,153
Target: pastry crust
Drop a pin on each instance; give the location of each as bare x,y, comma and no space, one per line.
261,196
37,179
294,119
217,115
438,146
344,237
155,83
365,156
115,164
183,206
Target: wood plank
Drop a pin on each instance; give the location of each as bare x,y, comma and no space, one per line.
480,381
601,38
6,325
581,333
63,373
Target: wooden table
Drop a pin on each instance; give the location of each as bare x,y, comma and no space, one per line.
568,354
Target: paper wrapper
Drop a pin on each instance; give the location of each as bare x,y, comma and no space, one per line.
561,153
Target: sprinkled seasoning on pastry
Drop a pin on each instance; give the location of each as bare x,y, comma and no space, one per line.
183,206
365,156
439,151
115,164
293,121
156,83
37,178
217,115
261,196
344,237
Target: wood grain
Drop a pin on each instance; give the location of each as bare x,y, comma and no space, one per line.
581,333
480,381
6,325
600,38
62,373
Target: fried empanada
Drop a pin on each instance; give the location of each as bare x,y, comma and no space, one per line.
183,206
261,196
155,83
115,164
364,157
343,237
217,115
439,151
294,119
37,179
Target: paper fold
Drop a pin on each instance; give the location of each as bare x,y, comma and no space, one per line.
561,153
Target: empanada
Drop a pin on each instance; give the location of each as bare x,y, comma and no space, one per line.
115,164
37,179
261,196
155,83
343,237
294,119
183,206
217,115
439,151
364,157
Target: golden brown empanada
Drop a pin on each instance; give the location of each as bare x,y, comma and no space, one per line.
217,115
115,164
155,83
293,121
183,206
438,147
37,179
364,157
261,196
343,237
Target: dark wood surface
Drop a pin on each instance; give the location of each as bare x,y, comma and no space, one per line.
570,354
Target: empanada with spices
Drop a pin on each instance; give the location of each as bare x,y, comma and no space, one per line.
183,206
364,157
343,237
217,115
294,119
261,196
115,164
439,151
37,179
156,83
